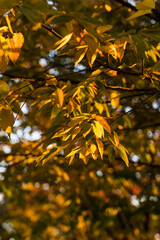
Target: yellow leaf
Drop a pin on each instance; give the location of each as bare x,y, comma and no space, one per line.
3,29
18,40
8,129
102,29
60,96
98,129
71,159
63,41
114,99
80,53
15,45
100,147
103,122
110,73
110,49
116,139
139,13
146,4
74,151
123,155
99,107
93,148
120,45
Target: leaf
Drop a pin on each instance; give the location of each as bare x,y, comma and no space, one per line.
123,155
71,159
111,154
93,148
6,118
139,13
3,29
80,53
146,4
61,19
3,64
92,48
110,48
9,24
4,46
98,129
15,45
63,41
35,10
103,122
74,151
114,99
116,139
8,4
102,29
18,40
99,107
60,96
100,147
4,89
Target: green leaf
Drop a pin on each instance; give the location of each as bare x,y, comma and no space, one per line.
6,118
62,19
4,89
35,10
8,4
111,154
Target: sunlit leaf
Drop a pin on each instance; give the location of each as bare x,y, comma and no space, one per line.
114,99
79,55
61,43
60,96
123,155
100,147
103,122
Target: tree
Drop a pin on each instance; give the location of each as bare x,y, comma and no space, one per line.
79,114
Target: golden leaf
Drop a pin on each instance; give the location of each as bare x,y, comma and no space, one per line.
60,96
98,129
114,99
80,53
15,45
100,147
63,41
103,122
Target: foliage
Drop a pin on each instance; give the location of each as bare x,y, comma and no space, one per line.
79,114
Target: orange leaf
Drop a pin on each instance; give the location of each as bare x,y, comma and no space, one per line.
103,122
15,45
18,40
60,96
